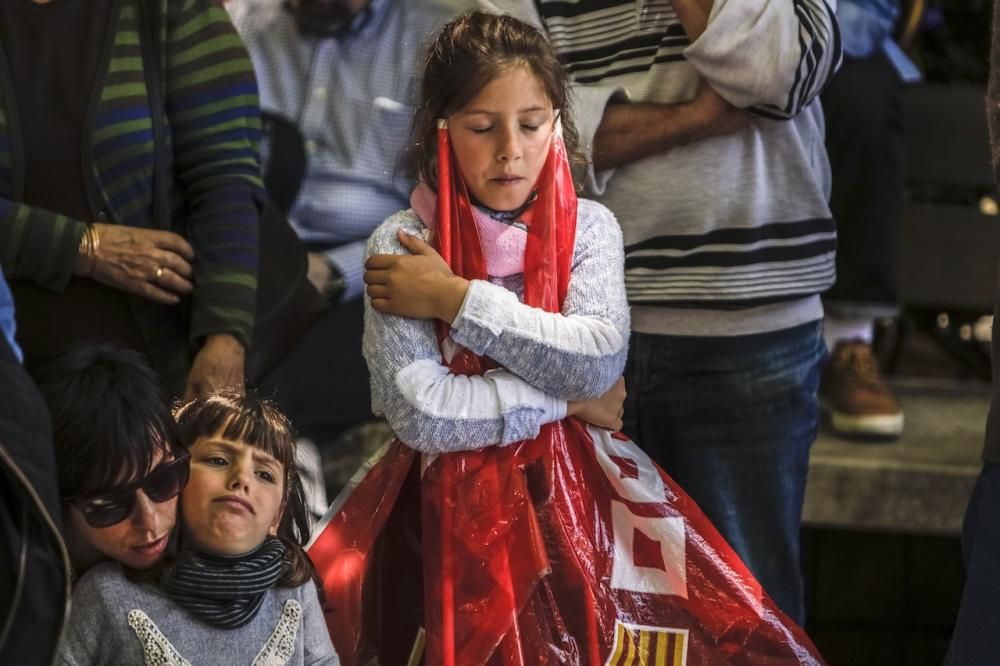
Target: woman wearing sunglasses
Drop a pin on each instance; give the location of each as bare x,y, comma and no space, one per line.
119,463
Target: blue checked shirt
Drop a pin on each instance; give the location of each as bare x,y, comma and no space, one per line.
7,325
866,25
352,98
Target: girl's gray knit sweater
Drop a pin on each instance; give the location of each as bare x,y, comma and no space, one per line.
547,358
116,621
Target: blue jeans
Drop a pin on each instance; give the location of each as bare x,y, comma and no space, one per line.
976,639
731,419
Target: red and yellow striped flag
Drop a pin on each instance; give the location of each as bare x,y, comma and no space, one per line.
638,645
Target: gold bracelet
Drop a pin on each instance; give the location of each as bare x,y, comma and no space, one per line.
88,251
95,245
83,253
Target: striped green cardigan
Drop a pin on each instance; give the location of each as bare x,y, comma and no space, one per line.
213,123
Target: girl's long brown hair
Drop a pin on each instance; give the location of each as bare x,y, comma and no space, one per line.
471,51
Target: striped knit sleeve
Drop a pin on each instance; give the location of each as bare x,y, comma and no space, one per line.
38,244
214,116
772,55
35,243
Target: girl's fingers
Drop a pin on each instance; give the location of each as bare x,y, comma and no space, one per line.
378,291
412,243
381,261
376,276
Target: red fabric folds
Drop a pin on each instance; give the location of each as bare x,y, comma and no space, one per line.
572,548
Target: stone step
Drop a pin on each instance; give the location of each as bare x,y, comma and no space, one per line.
918,484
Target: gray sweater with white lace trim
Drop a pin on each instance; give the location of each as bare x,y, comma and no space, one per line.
116,621
547,358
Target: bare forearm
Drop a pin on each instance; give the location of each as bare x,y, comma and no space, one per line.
693,15
629,132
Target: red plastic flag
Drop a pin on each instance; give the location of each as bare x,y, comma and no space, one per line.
571,548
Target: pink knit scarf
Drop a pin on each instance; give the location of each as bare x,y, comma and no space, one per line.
503,244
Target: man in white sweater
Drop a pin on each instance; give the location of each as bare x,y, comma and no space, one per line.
704,138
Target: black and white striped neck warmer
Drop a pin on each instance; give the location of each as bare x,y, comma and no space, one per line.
225,591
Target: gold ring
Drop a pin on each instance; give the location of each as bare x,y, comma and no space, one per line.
159,272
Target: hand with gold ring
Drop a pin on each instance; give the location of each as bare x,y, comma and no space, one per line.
146,262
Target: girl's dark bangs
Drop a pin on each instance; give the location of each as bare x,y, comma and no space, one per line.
245,419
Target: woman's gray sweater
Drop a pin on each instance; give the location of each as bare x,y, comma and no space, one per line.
547,358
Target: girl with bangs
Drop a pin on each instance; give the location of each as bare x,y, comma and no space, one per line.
240,589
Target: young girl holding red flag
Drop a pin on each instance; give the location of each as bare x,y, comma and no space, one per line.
500,110
496,310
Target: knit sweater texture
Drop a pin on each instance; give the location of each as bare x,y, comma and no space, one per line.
546,358
116,621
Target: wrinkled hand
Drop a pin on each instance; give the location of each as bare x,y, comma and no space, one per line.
218,365
719,116
146,262
605,411
419,285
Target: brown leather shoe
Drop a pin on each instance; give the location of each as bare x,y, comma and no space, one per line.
855,395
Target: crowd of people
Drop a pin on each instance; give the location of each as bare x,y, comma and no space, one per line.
472,301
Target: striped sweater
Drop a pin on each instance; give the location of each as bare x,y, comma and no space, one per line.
214,129
730,234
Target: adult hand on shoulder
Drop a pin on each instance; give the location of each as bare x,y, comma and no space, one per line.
419,285
218,365
604,411
146,262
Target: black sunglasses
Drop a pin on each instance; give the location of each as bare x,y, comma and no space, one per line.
165,482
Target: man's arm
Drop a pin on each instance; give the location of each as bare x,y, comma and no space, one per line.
772,55
693,15
629,132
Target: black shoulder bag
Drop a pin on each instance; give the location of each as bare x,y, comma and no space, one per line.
287,303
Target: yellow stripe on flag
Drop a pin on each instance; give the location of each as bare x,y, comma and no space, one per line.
616,655
640,645
644,648
661,650
629,648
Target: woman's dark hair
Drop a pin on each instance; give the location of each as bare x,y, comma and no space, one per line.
469,53
110,418
259,423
